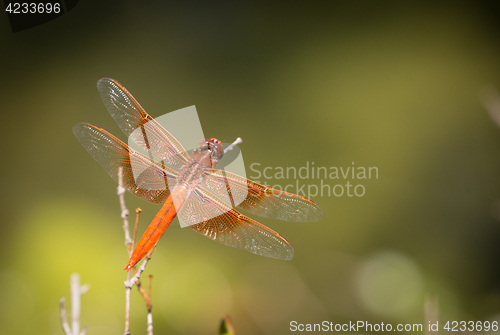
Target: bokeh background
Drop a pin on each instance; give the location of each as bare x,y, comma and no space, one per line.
393,85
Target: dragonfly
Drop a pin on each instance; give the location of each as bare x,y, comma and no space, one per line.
188,185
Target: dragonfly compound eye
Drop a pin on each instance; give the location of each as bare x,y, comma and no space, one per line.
215,147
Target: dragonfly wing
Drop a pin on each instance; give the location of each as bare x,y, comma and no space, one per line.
261,200
142,176
227,226
138,125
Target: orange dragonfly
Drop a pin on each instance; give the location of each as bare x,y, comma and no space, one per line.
201,195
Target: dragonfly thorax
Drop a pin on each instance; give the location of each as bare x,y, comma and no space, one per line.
192,173
204,157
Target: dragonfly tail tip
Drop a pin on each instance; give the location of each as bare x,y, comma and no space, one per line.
129,266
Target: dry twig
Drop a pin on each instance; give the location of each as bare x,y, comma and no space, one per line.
130,242
76,293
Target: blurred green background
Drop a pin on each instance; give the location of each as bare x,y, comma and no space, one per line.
384,84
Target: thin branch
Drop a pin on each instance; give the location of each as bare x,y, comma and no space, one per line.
137,214
144,294
150,287
127,307
64,318
135,278
76,292
150,323
128,243
75,303
150,306
147,296
121,195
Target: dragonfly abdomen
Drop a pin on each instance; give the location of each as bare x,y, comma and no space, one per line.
158,226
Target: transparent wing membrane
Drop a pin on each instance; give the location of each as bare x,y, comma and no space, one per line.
150,185
232,228
139,126
261,200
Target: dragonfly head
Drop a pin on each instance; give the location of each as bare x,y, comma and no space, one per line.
212,146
